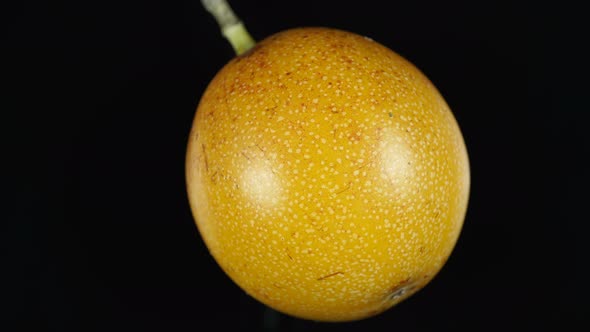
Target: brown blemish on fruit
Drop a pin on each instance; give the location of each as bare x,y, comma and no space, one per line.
330,275
205,159
245,155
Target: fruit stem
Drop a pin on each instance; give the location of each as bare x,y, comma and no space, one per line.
231,27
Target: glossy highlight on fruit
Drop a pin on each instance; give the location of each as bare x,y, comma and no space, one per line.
326,174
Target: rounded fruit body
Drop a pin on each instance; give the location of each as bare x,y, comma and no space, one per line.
326,174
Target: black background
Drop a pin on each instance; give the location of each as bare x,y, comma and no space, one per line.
99,235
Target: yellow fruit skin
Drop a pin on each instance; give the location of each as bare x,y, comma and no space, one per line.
326,174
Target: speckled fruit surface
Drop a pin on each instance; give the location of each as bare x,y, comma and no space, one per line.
326,174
